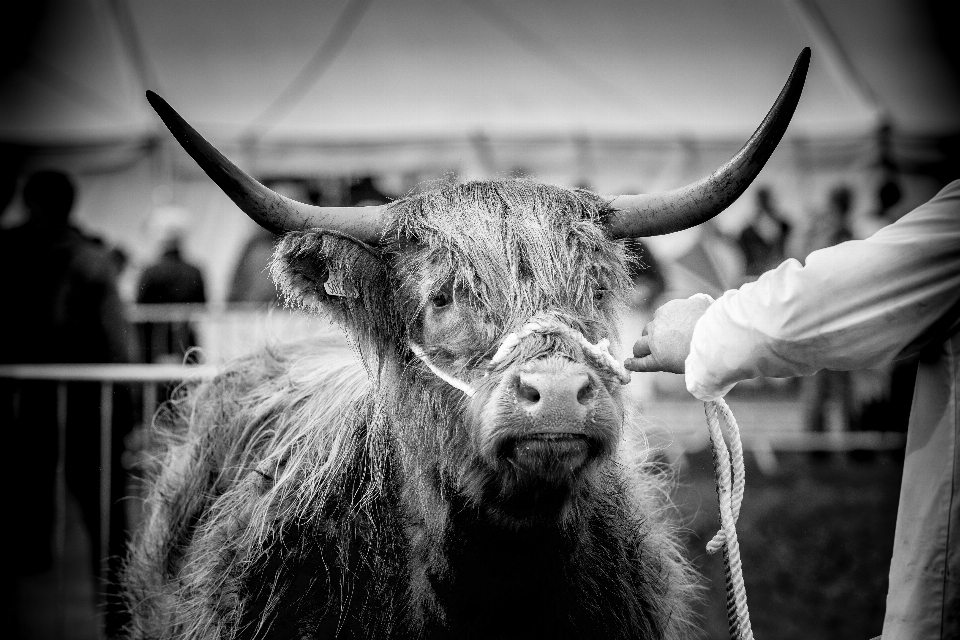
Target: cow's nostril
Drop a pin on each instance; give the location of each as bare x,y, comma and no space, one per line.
528,393
561,392
586,393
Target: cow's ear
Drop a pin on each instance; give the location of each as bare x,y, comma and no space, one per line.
328,273
340,277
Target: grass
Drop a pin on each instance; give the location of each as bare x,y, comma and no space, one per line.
816,538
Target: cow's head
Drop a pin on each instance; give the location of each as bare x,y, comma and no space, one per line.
497,299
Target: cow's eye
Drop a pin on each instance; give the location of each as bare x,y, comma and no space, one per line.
441,299
599,294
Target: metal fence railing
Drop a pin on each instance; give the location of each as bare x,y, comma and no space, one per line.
147,377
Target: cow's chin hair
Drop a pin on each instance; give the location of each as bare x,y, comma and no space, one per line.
522,482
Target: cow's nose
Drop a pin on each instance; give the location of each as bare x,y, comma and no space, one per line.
565,395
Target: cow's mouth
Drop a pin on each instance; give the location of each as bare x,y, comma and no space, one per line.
550,453
535,474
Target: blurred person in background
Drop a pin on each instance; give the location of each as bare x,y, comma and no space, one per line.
854,305
829,397
833,224
61,306
170,280
764,239
889,191
889,408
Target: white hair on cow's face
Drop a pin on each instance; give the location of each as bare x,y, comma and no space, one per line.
284,457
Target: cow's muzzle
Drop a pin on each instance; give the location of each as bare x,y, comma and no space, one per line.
556,402
556,417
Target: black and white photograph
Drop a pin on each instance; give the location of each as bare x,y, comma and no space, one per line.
480,319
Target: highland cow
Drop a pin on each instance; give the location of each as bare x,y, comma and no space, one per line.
472,471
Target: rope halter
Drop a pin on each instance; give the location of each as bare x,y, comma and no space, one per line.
539,323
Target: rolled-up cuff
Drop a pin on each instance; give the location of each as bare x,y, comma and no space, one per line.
694,377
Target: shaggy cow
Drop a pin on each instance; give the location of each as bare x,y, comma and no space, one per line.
472,472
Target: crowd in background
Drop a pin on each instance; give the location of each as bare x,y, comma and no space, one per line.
60,285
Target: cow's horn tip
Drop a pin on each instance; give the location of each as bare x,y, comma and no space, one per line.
159,104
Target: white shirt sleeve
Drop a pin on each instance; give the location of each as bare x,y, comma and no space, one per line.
855,305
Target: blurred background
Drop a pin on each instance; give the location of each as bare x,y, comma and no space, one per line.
346,102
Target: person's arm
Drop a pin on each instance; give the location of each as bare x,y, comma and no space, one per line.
854,305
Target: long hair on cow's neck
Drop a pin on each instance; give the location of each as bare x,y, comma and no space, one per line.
272,454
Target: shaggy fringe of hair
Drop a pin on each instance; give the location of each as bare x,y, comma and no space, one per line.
255,447
538,276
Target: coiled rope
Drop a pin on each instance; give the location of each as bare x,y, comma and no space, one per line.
728,464
729,474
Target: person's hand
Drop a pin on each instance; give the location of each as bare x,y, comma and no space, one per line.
665,343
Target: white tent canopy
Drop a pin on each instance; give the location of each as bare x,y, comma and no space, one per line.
619,94
362,70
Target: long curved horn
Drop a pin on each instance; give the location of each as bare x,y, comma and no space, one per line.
659,213
269,209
